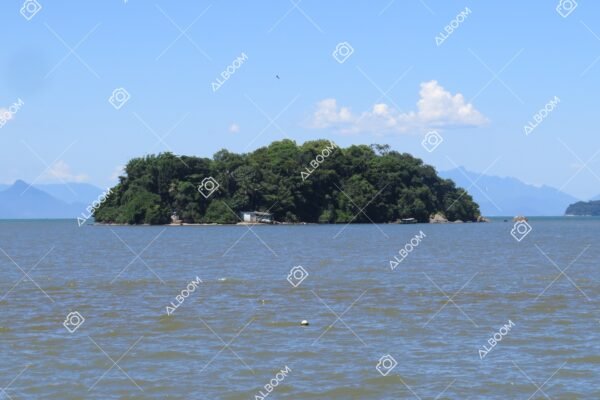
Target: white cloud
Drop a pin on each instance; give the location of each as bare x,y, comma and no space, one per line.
439,106
118,171
60,170
436,108
328,113
234,128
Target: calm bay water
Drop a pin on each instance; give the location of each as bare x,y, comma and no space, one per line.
241,326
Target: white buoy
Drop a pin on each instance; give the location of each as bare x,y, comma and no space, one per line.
304,322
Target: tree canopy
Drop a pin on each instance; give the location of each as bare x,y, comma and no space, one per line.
587,208
314,182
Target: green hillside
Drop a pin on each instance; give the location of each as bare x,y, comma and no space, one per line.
314,182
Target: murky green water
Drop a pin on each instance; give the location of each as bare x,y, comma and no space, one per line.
235,332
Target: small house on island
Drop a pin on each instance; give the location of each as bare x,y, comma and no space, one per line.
257,217
175,219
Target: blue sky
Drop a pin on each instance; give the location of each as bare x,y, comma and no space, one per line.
478,89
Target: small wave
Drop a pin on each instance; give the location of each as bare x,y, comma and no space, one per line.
585,360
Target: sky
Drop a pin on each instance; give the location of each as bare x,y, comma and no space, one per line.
390,71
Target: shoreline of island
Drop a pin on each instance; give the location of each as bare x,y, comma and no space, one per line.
437,219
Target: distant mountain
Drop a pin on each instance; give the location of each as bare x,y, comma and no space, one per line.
509,196
20,201
584,208
71,192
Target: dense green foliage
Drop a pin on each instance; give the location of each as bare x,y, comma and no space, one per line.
584,208
389,186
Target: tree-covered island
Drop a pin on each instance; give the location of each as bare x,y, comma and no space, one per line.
584,208
316,182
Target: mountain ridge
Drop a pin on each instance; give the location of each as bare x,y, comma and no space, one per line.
516,197
24,201
508,196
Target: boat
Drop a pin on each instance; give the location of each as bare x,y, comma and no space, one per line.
408,221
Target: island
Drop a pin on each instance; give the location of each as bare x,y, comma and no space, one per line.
584,208
316,182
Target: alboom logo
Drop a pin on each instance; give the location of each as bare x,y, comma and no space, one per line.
7,114
93,207
279,377
319,159
452,26
408,248
495,339
229,71
185,293
541,115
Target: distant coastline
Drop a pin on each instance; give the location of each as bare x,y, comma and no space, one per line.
584,208
493,219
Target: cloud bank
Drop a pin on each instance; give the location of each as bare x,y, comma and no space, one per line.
436,108
60,170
